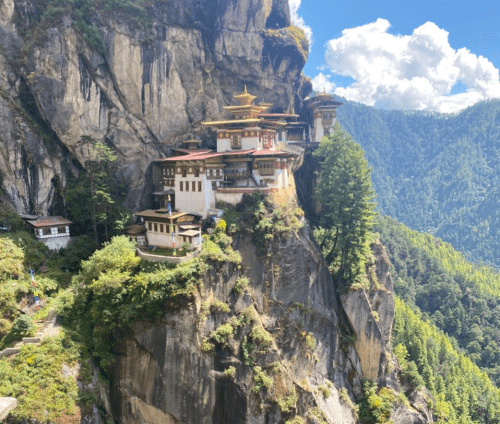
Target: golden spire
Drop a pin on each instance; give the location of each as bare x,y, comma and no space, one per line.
245,98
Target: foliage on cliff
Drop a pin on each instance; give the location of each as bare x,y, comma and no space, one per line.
464,393
345,193
457,296
436,173
115,288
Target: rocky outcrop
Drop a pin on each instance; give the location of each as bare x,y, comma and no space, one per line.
371,312
163,372
138,86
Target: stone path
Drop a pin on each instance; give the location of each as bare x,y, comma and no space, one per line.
49,328
7,404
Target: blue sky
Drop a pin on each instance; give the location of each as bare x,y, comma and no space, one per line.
412,55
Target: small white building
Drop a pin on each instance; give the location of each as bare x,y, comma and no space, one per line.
167,230
53,231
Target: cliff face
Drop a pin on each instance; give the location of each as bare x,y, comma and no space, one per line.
320,346
163,375
140,90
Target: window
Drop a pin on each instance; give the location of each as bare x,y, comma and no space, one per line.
184,172
46,232
199,185
164,171
181,186
217,172
193,186
156,227
235,142
187,185
266,168
161,228
197,172
214,185
61,230
150,226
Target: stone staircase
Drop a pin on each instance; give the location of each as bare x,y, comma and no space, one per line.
49,328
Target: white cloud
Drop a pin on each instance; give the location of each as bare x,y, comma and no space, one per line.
299,20
414,71
322,83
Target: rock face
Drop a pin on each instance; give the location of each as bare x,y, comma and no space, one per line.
163,376
371,313
140,90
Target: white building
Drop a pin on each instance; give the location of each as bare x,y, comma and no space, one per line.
246,161
53,231
171,230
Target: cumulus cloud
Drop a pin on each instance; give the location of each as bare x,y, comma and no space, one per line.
414,71
322,83
299,20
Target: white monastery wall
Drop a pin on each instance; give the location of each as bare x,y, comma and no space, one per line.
56,243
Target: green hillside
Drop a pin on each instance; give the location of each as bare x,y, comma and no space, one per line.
436,173
459,298
464,394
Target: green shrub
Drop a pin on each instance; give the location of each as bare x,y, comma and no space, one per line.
261,380
288,402
376,407
310,341
217,305
262,340
241,284
207,346
295,420
326,391
35,379
247,316
230,372
23,326
222,334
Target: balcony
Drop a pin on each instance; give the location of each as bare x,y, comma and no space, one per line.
266,172
235,174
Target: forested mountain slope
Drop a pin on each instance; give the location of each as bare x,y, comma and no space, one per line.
459,298
436,173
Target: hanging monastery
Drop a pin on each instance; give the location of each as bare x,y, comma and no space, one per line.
250,157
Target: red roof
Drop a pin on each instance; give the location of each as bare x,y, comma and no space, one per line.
48,221
198,156
267,152
236,152
207,155
193,151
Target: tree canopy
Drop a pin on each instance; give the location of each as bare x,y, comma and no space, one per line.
347,208
435,172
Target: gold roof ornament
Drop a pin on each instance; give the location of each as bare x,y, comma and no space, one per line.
245,98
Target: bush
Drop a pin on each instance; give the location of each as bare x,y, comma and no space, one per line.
241,284
23,326
230,372
261,339
222,334
288,402
261,380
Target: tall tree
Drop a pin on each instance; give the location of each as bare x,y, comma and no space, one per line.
345,192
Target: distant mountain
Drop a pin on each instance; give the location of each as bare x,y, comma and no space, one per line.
435,172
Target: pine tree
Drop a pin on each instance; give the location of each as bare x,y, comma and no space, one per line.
345,192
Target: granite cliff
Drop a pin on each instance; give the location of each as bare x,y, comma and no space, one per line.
138,79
